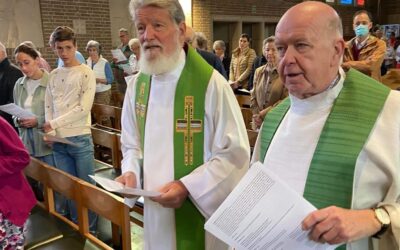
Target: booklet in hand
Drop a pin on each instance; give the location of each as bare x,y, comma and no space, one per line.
116,187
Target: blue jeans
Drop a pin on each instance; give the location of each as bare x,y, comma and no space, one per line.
77,161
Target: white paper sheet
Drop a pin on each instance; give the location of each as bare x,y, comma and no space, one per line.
263,212
127,69
116,187
16,110
119,55
53,138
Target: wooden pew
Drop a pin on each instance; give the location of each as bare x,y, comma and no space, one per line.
108,206
243,100
247,117
117,98
107,140
113,113
86,196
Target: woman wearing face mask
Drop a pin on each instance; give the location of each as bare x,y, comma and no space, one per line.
241,62
268,88
29,92
364,52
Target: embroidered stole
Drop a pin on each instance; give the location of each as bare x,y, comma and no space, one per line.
188,138
347,128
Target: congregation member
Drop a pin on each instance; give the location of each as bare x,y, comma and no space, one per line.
102,71
182,132
9,74
268,87
134,45
192,39
364,52
59,61
68,101
241,62
335,140
117,67
258,62
43,64
219,49
29,94
16,196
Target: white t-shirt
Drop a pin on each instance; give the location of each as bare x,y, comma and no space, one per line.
31,86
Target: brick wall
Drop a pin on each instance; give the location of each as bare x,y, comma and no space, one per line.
205,11
96,14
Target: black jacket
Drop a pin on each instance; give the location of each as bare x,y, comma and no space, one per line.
213,60
9,74
258,62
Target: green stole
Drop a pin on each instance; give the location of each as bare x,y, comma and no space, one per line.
347,128
188,138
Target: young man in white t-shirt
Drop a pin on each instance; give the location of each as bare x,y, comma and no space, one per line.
69,99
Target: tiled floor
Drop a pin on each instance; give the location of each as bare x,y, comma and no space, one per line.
136,237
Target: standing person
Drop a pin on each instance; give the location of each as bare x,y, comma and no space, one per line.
134,45
268,87
241,62
195,143
59,61
193,38
102,70
29,93
258,62
9,74
336,139
364,52
117,66
16,196
43,64
68,101
219,49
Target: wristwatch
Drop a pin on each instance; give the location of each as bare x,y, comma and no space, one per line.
383,217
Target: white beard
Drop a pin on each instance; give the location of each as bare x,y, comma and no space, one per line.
162,64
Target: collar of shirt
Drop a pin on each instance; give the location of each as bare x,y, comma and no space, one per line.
321,100
361,44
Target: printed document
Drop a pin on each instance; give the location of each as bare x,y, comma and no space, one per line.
119,55
117,187
53,138
263,212
16,110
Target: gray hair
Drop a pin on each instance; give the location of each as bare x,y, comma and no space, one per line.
134,41
200,40
172,6
220,44
94,44
3,49
123,30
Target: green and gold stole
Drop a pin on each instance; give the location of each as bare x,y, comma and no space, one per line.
347,128
188,138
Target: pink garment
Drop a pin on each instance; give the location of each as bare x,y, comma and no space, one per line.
44,65
16,196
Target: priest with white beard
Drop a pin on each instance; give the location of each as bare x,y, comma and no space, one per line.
182,132
336,139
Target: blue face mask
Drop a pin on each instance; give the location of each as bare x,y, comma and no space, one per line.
362,30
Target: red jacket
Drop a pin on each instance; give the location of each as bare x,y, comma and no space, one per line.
16,196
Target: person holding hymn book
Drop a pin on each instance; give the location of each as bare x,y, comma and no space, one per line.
336,139
182,132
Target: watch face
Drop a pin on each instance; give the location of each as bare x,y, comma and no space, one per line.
382,216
